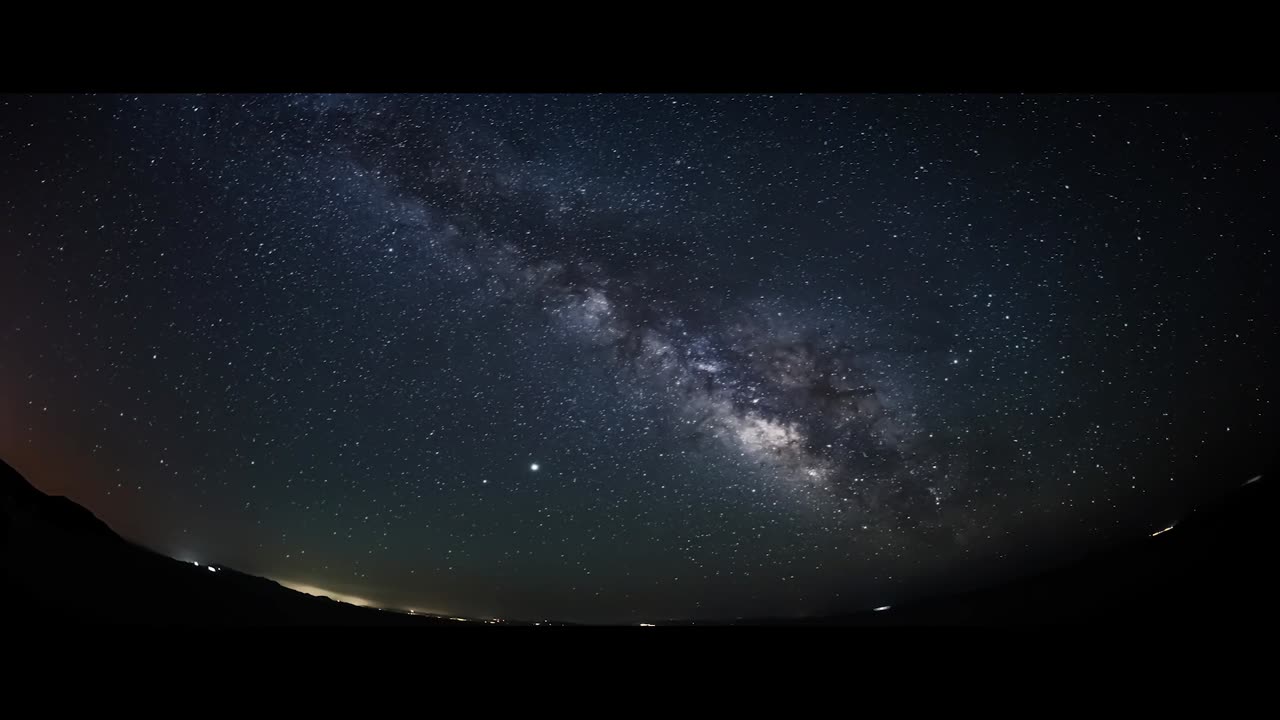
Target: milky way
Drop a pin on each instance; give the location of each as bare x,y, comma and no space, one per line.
795,396
794,399
634,357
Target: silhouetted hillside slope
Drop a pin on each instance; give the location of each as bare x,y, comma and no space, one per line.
58,562
1214,567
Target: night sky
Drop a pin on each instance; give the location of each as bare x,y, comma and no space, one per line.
631,358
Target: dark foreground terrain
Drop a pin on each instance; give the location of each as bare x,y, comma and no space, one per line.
1213,568
59,563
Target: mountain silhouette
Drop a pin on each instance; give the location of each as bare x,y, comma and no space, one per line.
60,563
1211,568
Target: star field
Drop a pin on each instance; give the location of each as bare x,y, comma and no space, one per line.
625,358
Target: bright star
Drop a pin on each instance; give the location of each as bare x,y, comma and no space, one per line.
534,467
